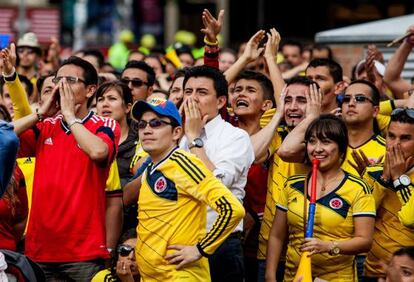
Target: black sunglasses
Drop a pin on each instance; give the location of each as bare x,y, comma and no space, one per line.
124,250
135,82
408,112
154,123
359,99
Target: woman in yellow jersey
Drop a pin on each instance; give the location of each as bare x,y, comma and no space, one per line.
344,217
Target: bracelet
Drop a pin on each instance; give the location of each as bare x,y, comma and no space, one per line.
39,115
74,122
210,43
10,74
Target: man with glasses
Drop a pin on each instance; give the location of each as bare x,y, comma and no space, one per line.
176,189
74,151
360,107
140,78
390,182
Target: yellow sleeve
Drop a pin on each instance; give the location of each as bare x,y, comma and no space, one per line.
113,182
19,98
213,193
266,117
364,204
386,107
383,122
406,214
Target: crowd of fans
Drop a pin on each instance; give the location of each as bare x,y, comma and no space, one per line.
167,167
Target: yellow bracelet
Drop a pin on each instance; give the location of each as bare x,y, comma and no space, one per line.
210,43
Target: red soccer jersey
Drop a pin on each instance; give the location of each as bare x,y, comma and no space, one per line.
67,220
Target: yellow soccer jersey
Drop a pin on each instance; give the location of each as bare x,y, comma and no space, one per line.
172,208
113,182
278,173
334,221
374,148
390,234
139,153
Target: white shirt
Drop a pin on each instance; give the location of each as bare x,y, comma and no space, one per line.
230,150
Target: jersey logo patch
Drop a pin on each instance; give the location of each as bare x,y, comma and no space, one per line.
336,203
160,184
48,141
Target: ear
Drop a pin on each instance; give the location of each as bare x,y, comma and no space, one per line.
128,108
177,133
221,102
150,90
267,105
90,90
340,87
376,111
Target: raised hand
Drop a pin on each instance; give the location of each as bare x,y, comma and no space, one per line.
212,26
252,50
67,100
361,161
272,44
8,57
314,101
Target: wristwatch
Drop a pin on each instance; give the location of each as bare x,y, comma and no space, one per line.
403,180
197,143
335,250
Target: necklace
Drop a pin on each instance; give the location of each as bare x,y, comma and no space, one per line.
325,184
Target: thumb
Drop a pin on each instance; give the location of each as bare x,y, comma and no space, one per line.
13,48
408,161
221,16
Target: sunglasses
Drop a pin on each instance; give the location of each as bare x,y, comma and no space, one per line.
124,250
69,79
359,99
135,82
408,112
154,123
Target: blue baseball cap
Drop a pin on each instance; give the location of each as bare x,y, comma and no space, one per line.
162,107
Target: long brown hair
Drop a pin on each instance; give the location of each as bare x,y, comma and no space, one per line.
11,195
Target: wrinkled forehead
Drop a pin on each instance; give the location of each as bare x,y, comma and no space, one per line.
297,90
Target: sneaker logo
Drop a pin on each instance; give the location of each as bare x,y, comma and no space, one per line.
49,141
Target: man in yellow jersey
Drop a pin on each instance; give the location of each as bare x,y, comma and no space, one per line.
176,189
389,182
298,105
360,106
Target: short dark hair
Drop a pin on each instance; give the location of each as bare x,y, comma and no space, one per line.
320,47
219,81
331,127
144,67
335,69
375,94
408,251
401,115
95,53
264,81
292,42
41,80
303,80
29,85
89,71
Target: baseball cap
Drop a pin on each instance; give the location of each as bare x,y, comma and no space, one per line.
378,65
162,107
29,39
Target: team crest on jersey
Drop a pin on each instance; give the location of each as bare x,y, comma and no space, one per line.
336,203
160,184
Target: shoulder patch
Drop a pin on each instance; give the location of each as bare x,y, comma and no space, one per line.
162,186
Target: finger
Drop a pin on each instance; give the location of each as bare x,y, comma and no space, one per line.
207,14
379,160
181,264
354,166
175,260
221,17
408,162
257,36
13,48
175,247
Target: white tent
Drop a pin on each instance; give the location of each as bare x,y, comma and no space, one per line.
376,31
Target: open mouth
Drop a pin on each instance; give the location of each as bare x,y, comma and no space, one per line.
242,104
